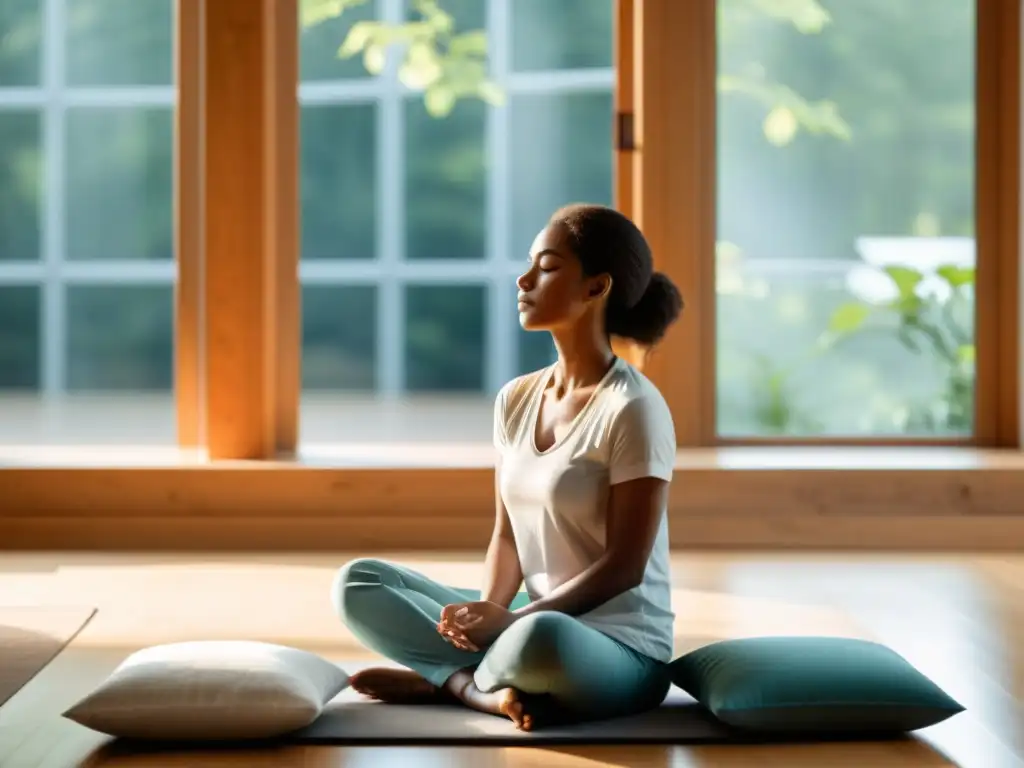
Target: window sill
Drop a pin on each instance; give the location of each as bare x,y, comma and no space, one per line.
442,497
477,456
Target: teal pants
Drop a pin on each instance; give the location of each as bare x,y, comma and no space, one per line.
585,674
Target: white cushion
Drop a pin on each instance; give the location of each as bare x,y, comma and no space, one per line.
213,690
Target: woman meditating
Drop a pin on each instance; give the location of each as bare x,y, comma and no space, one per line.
585,451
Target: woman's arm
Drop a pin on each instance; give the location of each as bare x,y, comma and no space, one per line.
503,573
634,515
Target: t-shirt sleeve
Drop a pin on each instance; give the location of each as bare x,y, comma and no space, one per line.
643,441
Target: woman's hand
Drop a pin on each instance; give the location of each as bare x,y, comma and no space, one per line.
472,626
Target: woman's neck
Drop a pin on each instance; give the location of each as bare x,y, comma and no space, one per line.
584,357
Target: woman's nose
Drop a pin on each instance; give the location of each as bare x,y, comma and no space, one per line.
523,281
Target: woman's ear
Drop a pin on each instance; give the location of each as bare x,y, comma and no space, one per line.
601,287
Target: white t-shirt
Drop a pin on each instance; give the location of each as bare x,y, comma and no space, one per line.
557,500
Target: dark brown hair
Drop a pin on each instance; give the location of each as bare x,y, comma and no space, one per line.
643,303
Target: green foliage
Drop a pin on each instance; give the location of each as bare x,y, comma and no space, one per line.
776,409
925,325
446,66
786,111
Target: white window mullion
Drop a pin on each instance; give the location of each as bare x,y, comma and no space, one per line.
391,219
501,346
54,304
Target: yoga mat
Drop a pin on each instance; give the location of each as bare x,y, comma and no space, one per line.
30,638
350,719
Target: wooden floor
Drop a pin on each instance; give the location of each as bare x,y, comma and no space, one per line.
959,619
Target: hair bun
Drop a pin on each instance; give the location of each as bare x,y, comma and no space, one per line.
648,320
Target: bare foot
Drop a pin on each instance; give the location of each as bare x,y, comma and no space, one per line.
395,686
512,706
505,701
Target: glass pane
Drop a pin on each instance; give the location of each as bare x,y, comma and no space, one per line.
339,182
89,339
21,176
444,337
20,42
562,34
119,42
562,145
20,341
846,220
445,182
320,41
433,210
120,183
446,186
339,337
120,338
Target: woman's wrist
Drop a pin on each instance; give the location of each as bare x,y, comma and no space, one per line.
525,610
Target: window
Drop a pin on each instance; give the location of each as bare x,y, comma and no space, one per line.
87,270
415,225
845,264
838,206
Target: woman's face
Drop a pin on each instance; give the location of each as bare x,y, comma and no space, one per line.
553,292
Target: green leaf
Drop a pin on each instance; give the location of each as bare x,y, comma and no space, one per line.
821,117
956,276
808,16
906,279
849,317
361,35
422,66
439,100
469,44
313,12
781,126
965,354
375,58
492,93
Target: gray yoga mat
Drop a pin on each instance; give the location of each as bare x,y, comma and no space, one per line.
350,719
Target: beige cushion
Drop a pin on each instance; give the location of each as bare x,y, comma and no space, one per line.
211,691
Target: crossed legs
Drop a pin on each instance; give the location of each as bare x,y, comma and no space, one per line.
545,666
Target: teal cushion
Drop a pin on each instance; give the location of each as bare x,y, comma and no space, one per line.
811,685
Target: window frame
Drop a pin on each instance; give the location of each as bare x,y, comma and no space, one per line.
675,184
666,179
238,335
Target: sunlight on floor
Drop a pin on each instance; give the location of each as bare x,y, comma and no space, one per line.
146,603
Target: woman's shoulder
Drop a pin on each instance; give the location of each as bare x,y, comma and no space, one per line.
633,385
633,397
516,392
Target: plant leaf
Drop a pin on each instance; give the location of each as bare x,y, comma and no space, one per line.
956,276
375,58
361,35
807,16
313,12
439,100
849,317
906,279
492,93
472,43
780,126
